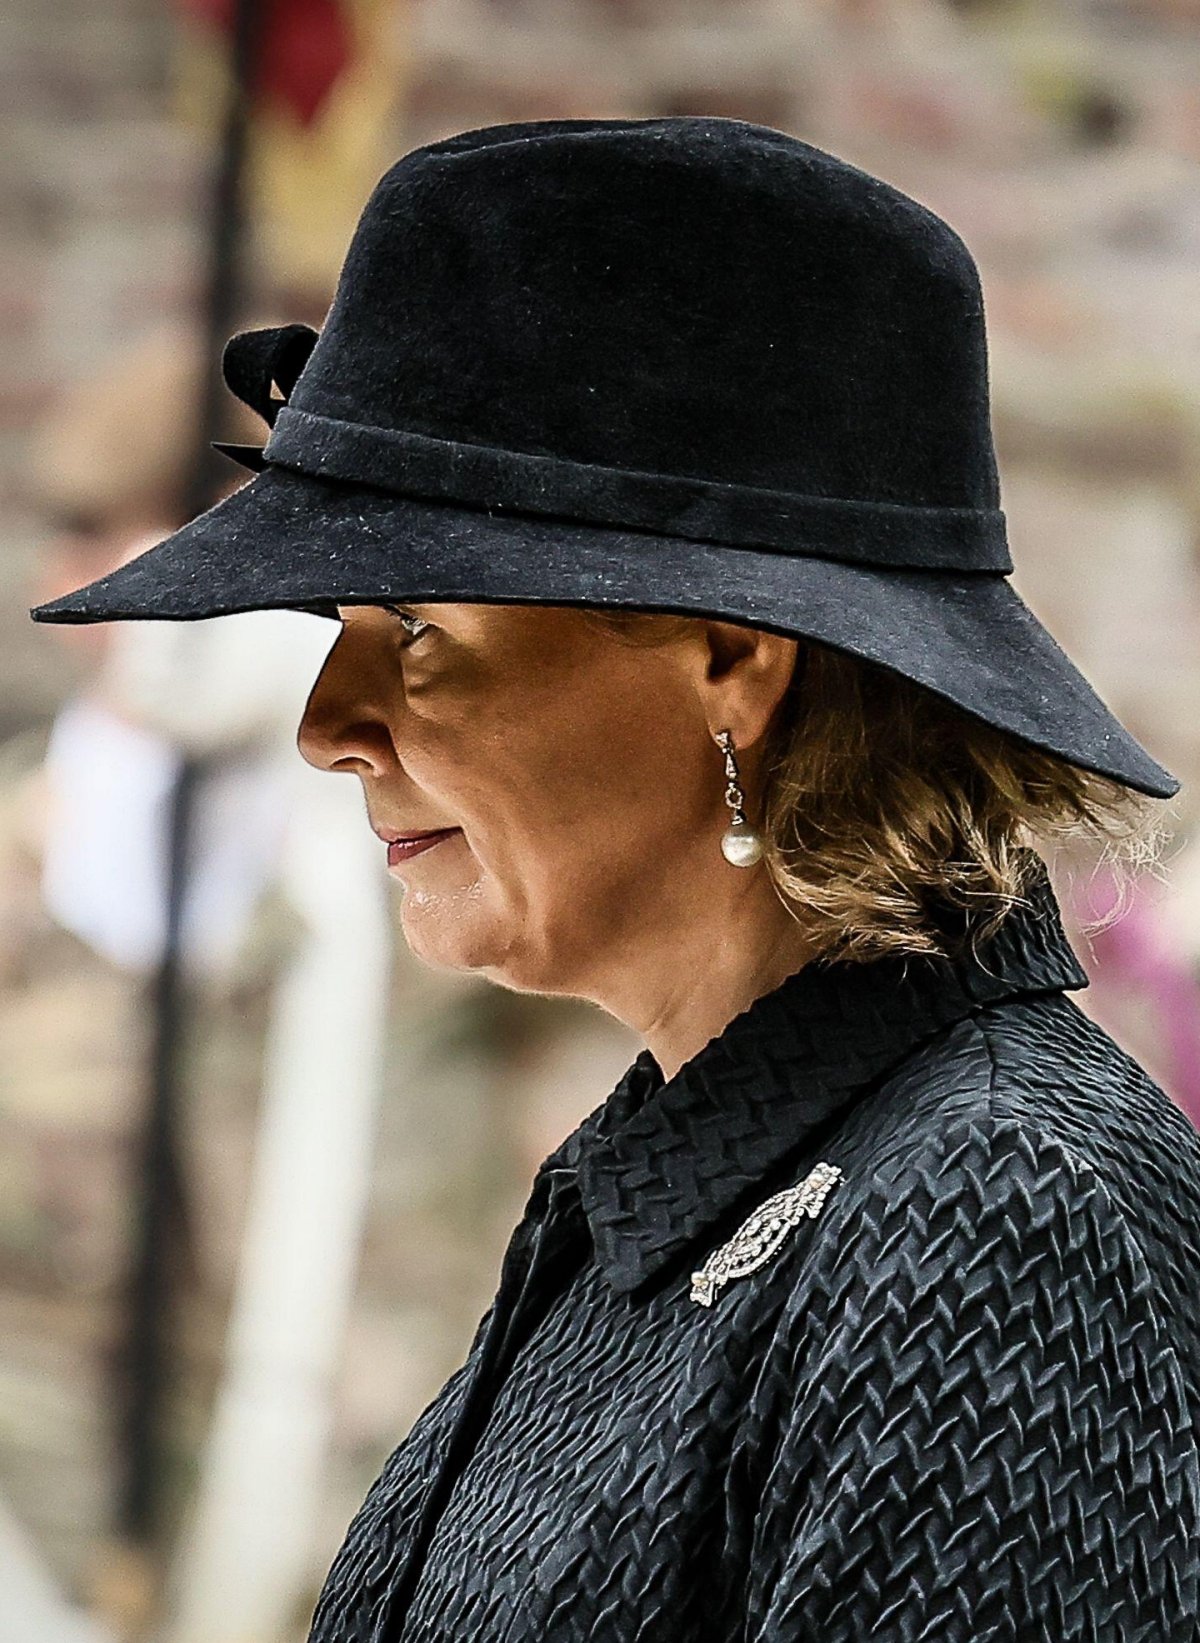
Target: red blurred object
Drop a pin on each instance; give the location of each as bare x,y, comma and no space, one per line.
305,47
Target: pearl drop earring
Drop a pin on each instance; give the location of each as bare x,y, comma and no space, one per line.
740,845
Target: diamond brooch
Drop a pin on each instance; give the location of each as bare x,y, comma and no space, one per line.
762,1232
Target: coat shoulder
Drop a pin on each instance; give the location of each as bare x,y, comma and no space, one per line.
1028,1125
1042,1069
986,1368
972,1218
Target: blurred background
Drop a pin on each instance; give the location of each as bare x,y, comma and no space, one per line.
257,1166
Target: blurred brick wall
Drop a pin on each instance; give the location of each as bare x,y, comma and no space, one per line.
98,199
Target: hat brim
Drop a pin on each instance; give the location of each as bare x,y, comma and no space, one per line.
288,540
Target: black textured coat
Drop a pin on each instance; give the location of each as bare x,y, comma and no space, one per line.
960,1402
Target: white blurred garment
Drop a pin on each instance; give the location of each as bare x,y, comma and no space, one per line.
231,690
104,867
219,683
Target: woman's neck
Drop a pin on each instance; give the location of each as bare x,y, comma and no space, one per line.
683,992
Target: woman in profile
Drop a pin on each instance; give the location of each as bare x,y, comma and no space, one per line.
647,468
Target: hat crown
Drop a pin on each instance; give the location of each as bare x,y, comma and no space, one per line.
682,364
692,296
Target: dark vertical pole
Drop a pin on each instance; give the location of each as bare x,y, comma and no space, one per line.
159,1181
158,1224
223,288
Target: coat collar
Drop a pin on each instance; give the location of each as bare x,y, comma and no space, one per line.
662,1162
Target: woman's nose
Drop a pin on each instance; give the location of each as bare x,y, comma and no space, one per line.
340,729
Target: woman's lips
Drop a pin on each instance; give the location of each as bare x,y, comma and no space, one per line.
412,844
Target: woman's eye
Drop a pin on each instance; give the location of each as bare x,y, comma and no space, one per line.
414,626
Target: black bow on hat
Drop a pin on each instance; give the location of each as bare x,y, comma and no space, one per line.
688,364
254,360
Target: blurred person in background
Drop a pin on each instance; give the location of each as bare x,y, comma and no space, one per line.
646,468
108,467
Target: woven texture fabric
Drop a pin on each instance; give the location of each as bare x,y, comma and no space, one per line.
961,1403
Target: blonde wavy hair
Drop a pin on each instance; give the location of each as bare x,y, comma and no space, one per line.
894,822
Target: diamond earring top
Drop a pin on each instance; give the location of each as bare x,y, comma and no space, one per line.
741,845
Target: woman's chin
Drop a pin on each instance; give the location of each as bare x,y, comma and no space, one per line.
452,936
455,931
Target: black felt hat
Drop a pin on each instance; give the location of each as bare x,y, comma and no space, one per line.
687,364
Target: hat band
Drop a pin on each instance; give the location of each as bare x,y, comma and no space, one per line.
888,534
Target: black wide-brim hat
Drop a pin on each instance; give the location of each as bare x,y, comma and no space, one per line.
686,364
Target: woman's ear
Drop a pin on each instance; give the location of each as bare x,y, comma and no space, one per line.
746,675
